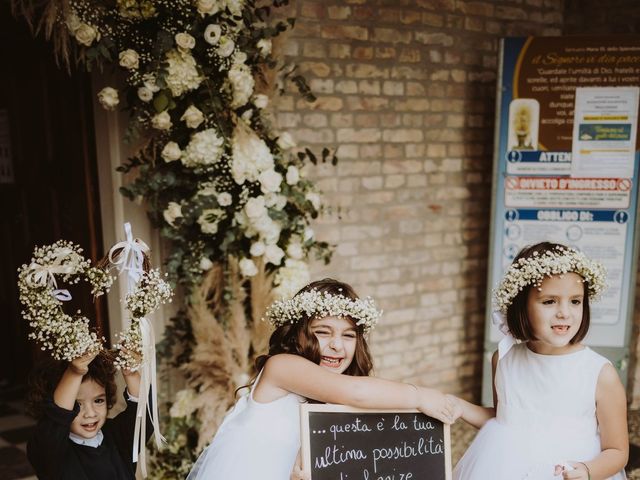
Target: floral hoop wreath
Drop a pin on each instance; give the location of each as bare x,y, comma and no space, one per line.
67,336
315,304
532,271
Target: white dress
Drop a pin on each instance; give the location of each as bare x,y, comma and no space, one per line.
546,416
255,441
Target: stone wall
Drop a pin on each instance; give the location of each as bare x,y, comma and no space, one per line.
406,92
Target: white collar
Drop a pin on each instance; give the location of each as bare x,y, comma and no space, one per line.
94,442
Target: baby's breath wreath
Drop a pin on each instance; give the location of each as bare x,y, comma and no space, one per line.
66,336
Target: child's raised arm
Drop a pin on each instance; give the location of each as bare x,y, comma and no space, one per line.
611,412
66,392
286,373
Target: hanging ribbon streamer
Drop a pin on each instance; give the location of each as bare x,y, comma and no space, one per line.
129,256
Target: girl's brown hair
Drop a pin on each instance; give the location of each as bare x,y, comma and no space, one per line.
517,318
47,374
298,339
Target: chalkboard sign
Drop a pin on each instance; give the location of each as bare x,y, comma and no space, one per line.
344,443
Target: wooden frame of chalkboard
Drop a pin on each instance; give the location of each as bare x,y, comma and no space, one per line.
346,443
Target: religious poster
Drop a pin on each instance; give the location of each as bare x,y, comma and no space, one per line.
566,166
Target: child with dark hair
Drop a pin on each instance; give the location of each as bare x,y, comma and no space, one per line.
318,352
559,407
74,439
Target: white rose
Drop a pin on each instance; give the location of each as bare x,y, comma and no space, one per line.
161,121
293,175
86,34
172,212
171,152
145,94
247,267
270,181
205,264
240,57
129,59
149,81
212,34
224,199
208,7
226,47
257,249
294,250
185,41
108,98
314,198
286,141
273,254
255,208
192,117
261,101
246,116
264,45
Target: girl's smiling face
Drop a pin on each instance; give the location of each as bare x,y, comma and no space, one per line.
337,339
555,313
93,409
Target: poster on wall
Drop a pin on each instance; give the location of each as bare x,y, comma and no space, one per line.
566,165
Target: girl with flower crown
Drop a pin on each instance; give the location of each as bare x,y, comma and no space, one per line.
559,407
319,335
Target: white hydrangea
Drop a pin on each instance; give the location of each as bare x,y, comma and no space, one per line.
291,278
247,267
273,254
182,72
242,83
250,155
205,148
270,181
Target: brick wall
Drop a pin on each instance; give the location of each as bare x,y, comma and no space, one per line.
406,91
591,17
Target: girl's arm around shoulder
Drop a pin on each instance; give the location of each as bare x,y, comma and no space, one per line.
286,373
611,412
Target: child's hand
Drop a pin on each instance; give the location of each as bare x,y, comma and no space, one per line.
572,471
80,365
436,404
456,406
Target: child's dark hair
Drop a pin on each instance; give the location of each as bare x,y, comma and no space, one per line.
517,319
298,339
45,377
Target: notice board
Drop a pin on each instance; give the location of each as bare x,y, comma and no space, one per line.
566,169
345,443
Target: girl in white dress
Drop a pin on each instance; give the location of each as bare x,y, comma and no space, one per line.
320,334
560,408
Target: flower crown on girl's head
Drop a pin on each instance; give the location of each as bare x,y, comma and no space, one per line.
315,304
533,270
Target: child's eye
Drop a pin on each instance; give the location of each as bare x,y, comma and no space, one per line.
99,401
350,335
322,332
576,301
548,301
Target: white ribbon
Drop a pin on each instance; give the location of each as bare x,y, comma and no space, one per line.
44,275
148,382
130,259
499,319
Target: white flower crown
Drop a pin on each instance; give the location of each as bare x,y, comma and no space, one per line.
315,304
533,270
